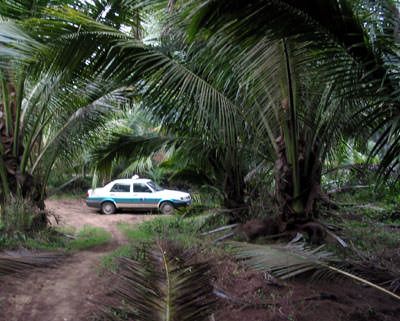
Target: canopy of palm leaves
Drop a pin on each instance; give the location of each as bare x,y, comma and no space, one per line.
285,89
50,108
239,99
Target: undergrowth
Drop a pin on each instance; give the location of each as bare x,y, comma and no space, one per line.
370,237
66,239
89,237
184,231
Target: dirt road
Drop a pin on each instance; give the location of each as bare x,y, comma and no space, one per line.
71,290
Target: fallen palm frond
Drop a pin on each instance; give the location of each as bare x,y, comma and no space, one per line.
166,287
10,263
219,229
336,238
289,260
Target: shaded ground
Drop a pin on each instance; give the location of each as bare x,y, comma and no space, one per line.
258,297
70,291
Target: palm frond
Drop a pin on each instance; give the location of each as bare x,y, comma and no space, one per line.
356,48
126,146
17,9
10,264
290,260
167,287
15,43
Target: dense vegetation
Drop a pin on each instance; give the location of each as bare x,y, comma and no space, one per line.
279,116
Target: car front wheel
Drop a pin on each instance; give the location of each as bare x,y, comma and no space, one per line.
167,208
108,208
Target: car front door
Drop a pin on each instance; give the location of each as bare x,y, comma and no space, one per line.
122,195
144,195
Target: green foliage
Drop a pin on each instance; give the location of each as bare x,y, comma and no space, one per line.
288,89
17,215
371,236
61,184
184,230
109,262
89,237
48,239
57,107
374,198
56,239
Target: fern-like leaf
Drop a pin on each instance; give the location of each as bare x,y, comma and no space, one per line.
167,287
10,264
289,260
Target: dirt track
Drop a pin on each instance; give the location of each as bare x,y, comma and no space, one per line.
70,291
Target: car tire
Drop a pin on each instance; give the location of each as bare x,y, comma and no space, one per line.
108,208
167,208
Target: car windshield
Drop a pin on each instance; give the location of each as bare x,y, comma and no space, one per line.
154,186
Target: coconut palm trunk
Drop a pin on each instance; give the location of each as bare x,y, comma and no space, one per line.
234,195
294,205
14,180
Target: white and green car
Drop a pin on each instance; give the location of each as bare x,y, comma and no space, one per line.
135,193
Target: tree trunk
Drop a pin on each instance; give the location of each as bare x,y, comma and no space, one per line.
234,196
14,182
301,208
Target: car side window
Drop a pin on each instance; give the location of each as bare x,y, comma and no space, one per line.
141,188
121,188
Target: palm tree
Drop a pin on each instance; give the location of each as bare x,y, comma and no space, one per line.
355,43
262,80
231,107
279,79
49,107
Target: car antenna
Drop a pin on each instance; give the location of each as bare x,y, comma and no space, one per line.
135,176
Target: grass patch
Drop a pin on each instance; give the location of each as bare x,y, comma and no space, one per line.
55,239
49,239
89,237
109,261
371,236
184,231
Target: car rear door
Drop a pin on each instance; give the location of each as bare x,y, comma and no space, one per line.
145,196
121,193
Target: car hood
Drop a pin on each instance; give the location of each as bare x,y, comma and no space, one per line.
171,193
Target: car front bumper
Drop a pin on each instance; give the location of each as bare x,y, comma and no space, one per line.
180,203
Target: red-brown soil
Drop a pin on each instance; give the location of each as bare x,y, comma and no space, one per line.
299,300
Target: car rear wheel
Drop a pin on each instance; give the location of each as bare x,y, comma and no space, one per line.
108,208
167,208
